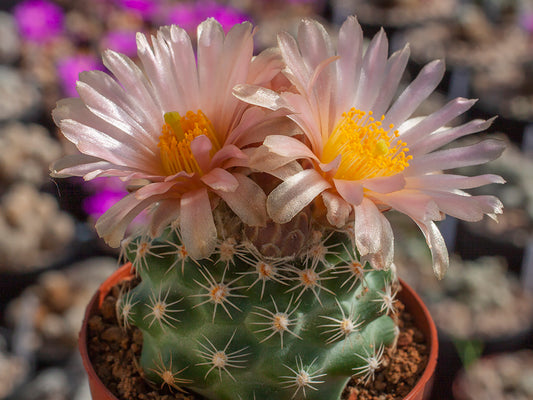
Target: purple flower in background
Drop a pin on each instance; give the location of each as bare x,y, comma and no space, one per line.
98,203
69,68
189,14
39,20
145,8
122,41
104,193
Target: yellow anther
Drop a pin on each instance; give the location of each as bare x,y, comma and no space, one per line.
367,150
177,135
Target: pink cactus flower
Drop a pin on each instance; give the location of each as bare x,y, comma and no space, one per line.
363,152
174,125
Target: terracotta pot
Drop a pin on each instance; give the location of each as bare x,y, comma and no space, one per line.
98,390
407,296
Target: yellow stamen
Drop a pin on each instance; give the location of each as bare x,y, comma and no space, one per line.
366,148
175,142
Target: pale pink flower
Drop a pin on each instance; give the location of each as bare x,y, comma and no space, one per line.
174,125
363,152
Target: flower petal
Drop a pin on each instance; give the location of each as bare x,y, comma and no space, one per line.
386,184
200,148
247,201
466,207
350,50
288,147
166,212
112,225
221,180
350,191
260,96
416,204
153,189
135,83
338,210
437,245
444,136
299,74
450,181
393,74
291,196
423,85
373,235
436,120
197,226
475,154
226,153
372,72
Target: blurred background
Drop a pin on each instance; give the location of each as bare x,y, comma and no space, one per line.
51,260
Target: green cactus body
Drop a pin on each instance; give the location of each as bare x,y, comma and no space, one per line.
243,325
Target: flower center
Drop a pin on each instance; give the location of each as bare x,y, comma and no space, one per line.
177,135
367,150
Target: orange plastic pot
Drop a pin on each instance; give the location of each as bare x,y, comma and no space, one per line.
407,296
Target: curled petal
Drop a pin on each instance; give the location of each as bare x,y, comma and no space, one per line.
260,96
466,207
265,66
197,226
332,166
262,159
373,235
435,241
288,147
227,153
338,210
291,196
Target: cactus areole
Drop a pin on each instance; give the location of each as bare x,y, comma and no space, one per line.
255,322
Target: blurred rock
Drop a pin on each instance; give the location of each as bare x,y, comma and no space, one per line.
19,97
26,152
33,231
10,43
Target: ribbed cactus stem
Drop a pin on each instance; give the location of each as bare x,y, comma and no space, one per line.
282,312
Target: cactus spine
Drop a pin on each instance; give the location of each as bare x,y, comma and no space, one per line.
283,312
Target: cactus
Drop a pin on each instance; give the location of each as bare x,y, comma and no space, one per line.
280,312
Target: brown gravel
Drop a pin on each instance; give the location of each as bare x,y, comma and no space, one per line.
114,353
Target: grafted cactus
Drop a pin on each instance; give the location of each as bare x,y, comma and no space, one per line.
283,312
